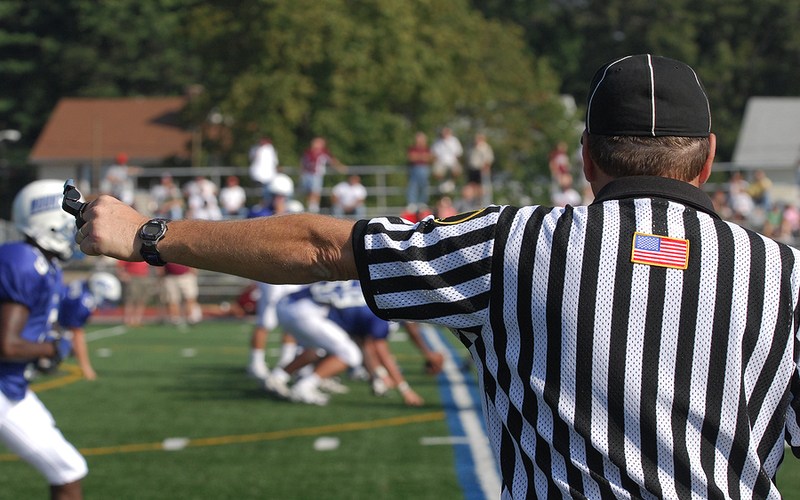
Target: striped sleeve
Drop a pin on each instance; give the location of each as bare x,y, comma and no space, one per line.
435,270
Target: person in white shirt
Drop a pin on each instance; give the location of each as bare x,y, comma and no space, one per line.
263,162
349,197
233,198
447,152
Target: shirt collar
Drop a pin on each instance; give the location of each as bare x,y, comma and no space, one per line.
657,187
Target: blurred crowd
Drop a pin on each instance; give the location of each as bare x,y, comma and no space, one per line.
751,202
443,179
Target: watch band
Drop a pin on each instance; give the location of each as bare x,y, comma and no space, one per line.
151,233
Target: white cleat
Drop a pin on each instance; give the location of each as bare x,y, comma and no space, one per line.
258,372
308,395
379,387
276,386
333,386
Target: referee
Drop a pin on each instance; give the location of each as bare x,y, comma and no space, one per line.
637,347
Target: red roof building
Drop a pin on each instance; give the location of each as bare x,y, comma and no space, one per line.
84,135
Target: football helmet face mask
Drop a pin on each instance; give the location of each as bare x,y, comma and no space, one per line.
36,213
105,287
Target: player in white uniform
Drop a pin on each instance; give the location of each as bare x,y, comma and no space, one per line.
277,201
30,292
306,313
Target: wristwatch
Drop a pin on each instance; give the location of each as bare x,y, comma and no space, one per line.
151,233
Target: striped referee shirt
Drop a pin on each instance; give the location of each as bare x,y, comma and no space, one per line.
637,347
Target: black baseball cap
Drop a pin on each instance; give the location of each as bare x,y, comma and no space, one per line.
647,95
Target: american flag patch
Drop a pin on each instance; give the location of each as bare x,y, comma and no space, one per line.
661,251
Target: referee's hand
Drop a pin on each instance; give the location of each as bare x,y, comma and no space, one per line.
111,228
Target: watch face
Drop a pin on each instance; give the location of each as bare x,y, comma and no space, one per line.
151,230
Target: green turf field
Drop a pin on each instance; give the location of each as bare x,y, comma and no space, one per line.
160,388
156,383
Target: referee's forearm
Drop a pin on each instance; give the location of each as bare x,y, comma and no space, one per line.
299,248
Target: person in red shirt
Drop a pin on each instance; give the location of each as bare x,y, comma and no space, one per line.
179,288
419,170
314,163
136,286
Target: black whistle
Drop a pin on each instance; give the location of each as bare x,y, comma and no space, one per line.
72,204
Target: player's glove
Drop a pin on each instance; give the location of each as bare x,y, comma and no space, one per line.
62,341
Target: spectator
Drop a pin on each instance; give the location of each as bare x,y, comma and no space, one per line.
444,208
760,190
136,288
415,213
179,291
119,179
721,204
419,163
468,200
263,162
233,198
315,161
565,193
773,225
348,197
201,198
790,222
447,152
559,162
167,198
481,158
740,201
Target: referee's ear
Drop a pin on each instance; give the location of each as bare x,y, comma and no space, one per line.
588,166
591,171
705,172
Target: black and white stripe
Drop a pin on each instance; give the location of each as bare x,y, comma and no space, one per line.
603,378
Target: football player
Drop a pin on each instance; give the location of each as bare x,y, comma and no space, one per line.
30,292
306,314
81,298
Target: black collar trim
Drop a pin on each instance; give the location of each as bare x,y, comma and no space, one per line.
656,187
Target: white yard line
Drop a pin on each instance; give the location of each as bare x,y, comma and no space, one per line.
114,331
482,456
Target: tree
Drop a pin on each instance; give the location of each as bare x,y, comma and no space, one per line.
740,49
50,50
367,75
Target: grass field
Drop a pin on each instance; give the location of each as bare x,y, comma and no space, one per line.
156,383
173,416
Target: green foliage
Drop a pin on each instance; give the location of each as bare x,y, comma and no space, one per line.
368,75
740,49
50,50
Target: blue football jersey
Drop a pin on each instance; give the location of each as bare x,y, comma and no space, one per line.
259,210
347,307
27,277
77,305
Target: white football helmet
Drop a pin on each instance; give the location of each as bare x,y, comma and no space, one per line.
294,206
37,213
281,185
105,287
